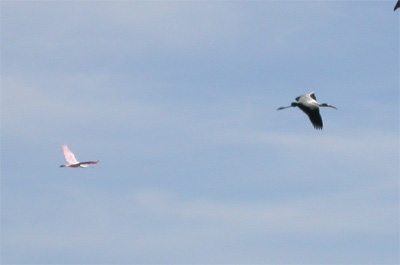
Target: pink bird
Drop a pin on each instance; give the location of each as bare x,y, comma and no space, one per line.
71,160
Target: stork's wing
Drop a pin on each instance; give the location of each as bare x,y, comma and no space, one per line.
313,114
312,95
397,5
69,156
306,97
89,162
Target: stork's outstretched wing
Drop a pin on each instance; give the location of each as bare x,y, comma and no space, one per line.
69,156
314,115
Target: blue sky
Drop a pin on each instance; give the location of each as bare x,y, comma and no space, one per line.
177,99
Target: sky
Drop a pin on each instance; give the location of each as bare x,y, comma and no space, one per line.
177,100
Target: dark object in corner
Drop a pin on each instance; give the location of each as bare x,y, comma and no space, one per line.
397,5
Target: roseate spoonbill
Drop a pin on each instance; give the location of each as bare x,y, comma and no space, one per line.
309,105
71,160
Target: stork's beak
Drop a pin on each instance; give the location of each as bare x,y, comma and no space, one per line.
327,105
281,108
333,107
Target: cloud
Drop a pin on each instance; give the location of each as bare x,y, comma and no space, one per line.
156,225
73,36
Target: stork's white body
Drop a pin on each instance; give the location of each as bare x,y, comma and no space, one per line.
308,100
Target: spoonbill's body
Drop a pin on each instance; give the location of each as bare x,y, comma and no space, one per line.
71,160
397,5
309,105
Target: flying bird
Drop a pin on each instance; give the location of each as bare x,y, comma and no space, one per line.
397,5
309,105
71,160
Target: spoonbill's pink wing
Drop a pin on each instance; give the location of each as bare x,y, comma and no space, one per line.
69,156
89,162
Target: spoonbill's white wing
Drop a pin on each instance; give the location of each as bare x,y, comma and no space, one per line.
88,162
69,156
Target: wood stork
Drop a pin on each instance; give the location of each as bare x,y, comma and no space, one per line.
71,160
309,105
397,5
